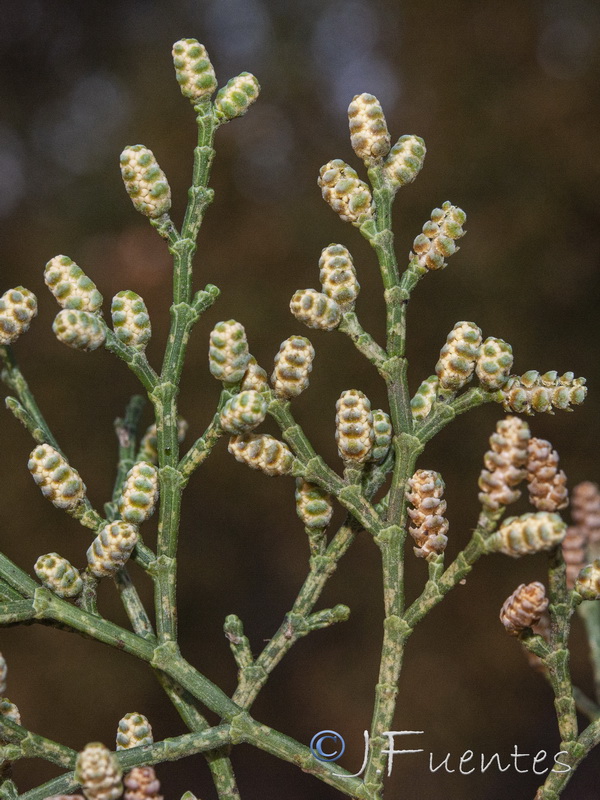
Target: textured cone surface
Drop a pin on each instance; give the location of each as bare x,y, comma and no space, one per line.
18,307
145,181
263,452
99,773
255,377
244,412
79,329
142,784
149,444
315,309
425,396
130,319
354,427
134,730
58,575
237,96
504,464
111,549
429,527
547,484
140,493
193,70
293,365
369,134
3,674
574,553
338,276
527,534
588,581
494,363
382,430
585,511
524,607
9,710
532,392
437,242
458,356
405,161
347,195
59,482
313,505
228,354
71,286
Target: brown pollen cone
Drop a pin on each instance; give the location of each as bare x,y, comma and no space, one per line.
547,484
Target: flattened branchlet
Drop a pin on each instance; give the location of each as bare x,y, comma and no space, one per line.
379,489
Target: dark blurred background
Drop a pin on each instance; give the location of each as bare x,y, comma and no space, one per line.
506,97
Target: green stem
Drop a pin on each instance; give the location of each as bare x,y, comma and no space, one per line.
589,611
33,746
166,750
201,448
446,412
254,676
135,360
363,341
13,378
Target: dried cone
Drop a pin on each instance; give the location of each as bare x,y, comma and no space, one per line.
193,70
58,575
524,607
504,464
369,135
532,392
425,396
59,482
347,195
527,534
547,484
354,427
71,286
134,730
588,581
263,452
315,309
142,784
293,365
145,182
429,527
585,511
17,308
405,161
437,242
459,356
574,553
99,773
338,276
236,96
313,505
